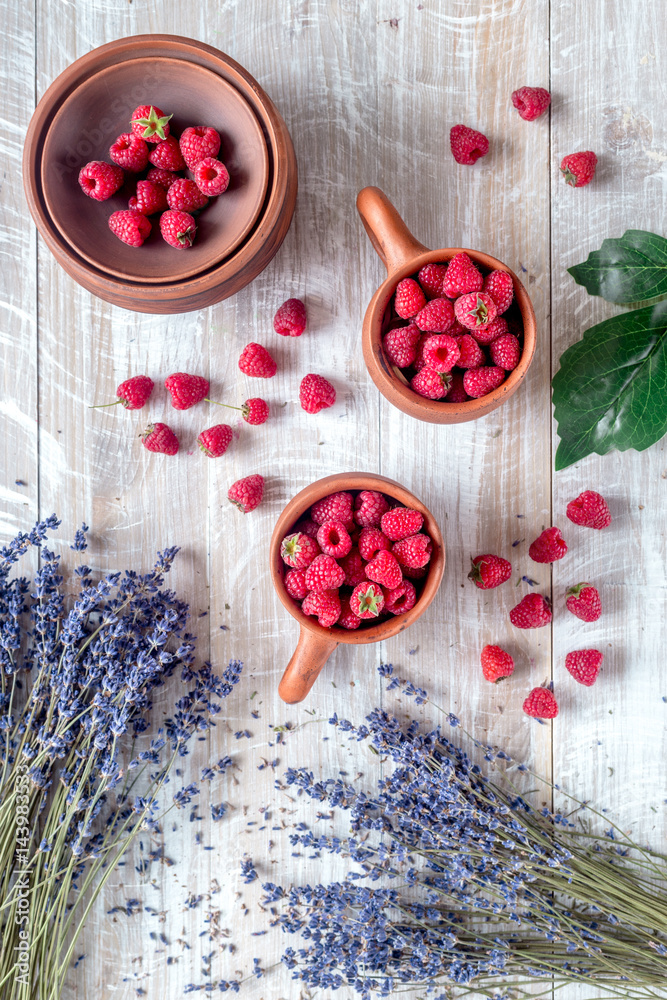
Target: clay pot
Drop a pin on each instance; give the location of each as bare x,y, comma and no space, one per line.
316,643
403,256
79,117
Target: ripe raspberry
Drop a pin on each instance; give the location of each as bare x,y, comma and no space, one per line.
150,123
432,385
211,177
369,506
548,547
436,317
348,619
166,155
413,552
308,527
290,318
185,196
440,352
401,598
159,437
475,309
432,278
165,178
325,604
400,344
150,198
372,540
367,600
385,570
316,393
505,351
584,602
541,704
589,510
353,566
298,550
178,229
409,298
467,145
335,507
99,180
499,285
584,665
531,102
324,573
481,381
215,441
489,571
532,611
401,522
487,334
130,152
471,354
456,392
247,493
578,168
256,361
462,276
255,411
496,664
415,573
295,584
186,390
134,392
130,226
333,539
198,143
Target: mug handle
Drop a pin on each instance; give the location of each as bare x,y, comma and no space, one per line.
391,238
311,653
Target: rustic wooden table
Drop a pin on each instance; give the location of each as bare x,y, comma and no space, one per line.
369,92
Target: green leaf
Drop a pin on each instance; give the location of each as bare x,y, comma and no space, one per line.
630,269
611,388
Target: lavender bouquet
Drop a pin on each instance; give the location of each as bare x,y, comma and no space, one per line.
80,769
463,887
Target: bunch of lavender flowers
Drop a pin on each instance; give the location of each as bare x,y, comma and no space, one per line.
80,769
462,886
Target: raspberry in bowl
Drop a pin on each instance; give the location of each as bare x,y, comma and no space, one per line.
450,334
355,558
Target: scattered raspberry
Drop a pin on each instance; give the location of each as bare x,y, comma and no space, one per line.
167,156
548,547
178,229
165,178
409,298
475,309
186,390
159,437
324,573
531,102
130,226
99,180
256,361
215,441
255,411
150,123
400,599
385,570
505,351
150,198
333,539
533,611
198,143
471,354
211,177
456,392
353,565
436,317
467,145
541,704
489,571
432,385
496,664
440,352
499,285
578,168
584,665
462,276
369,506
130,152
413,552
589,510
325,604
584,602
298,550
316,393
400,522
367,600
481,381
295,584
400,344
348,619
134,392
487,334
185,196
432,279
372,540
290,318
246,494
335,507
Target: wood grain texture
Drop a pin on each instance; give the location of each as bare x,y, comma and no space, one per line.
369,92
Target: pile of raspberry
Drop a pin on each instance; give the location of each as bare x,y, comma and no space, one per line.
158,161
352,559
449,334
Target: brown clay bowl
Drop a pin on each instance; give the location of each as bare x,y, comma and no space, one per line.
316,643
202,81
403,256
